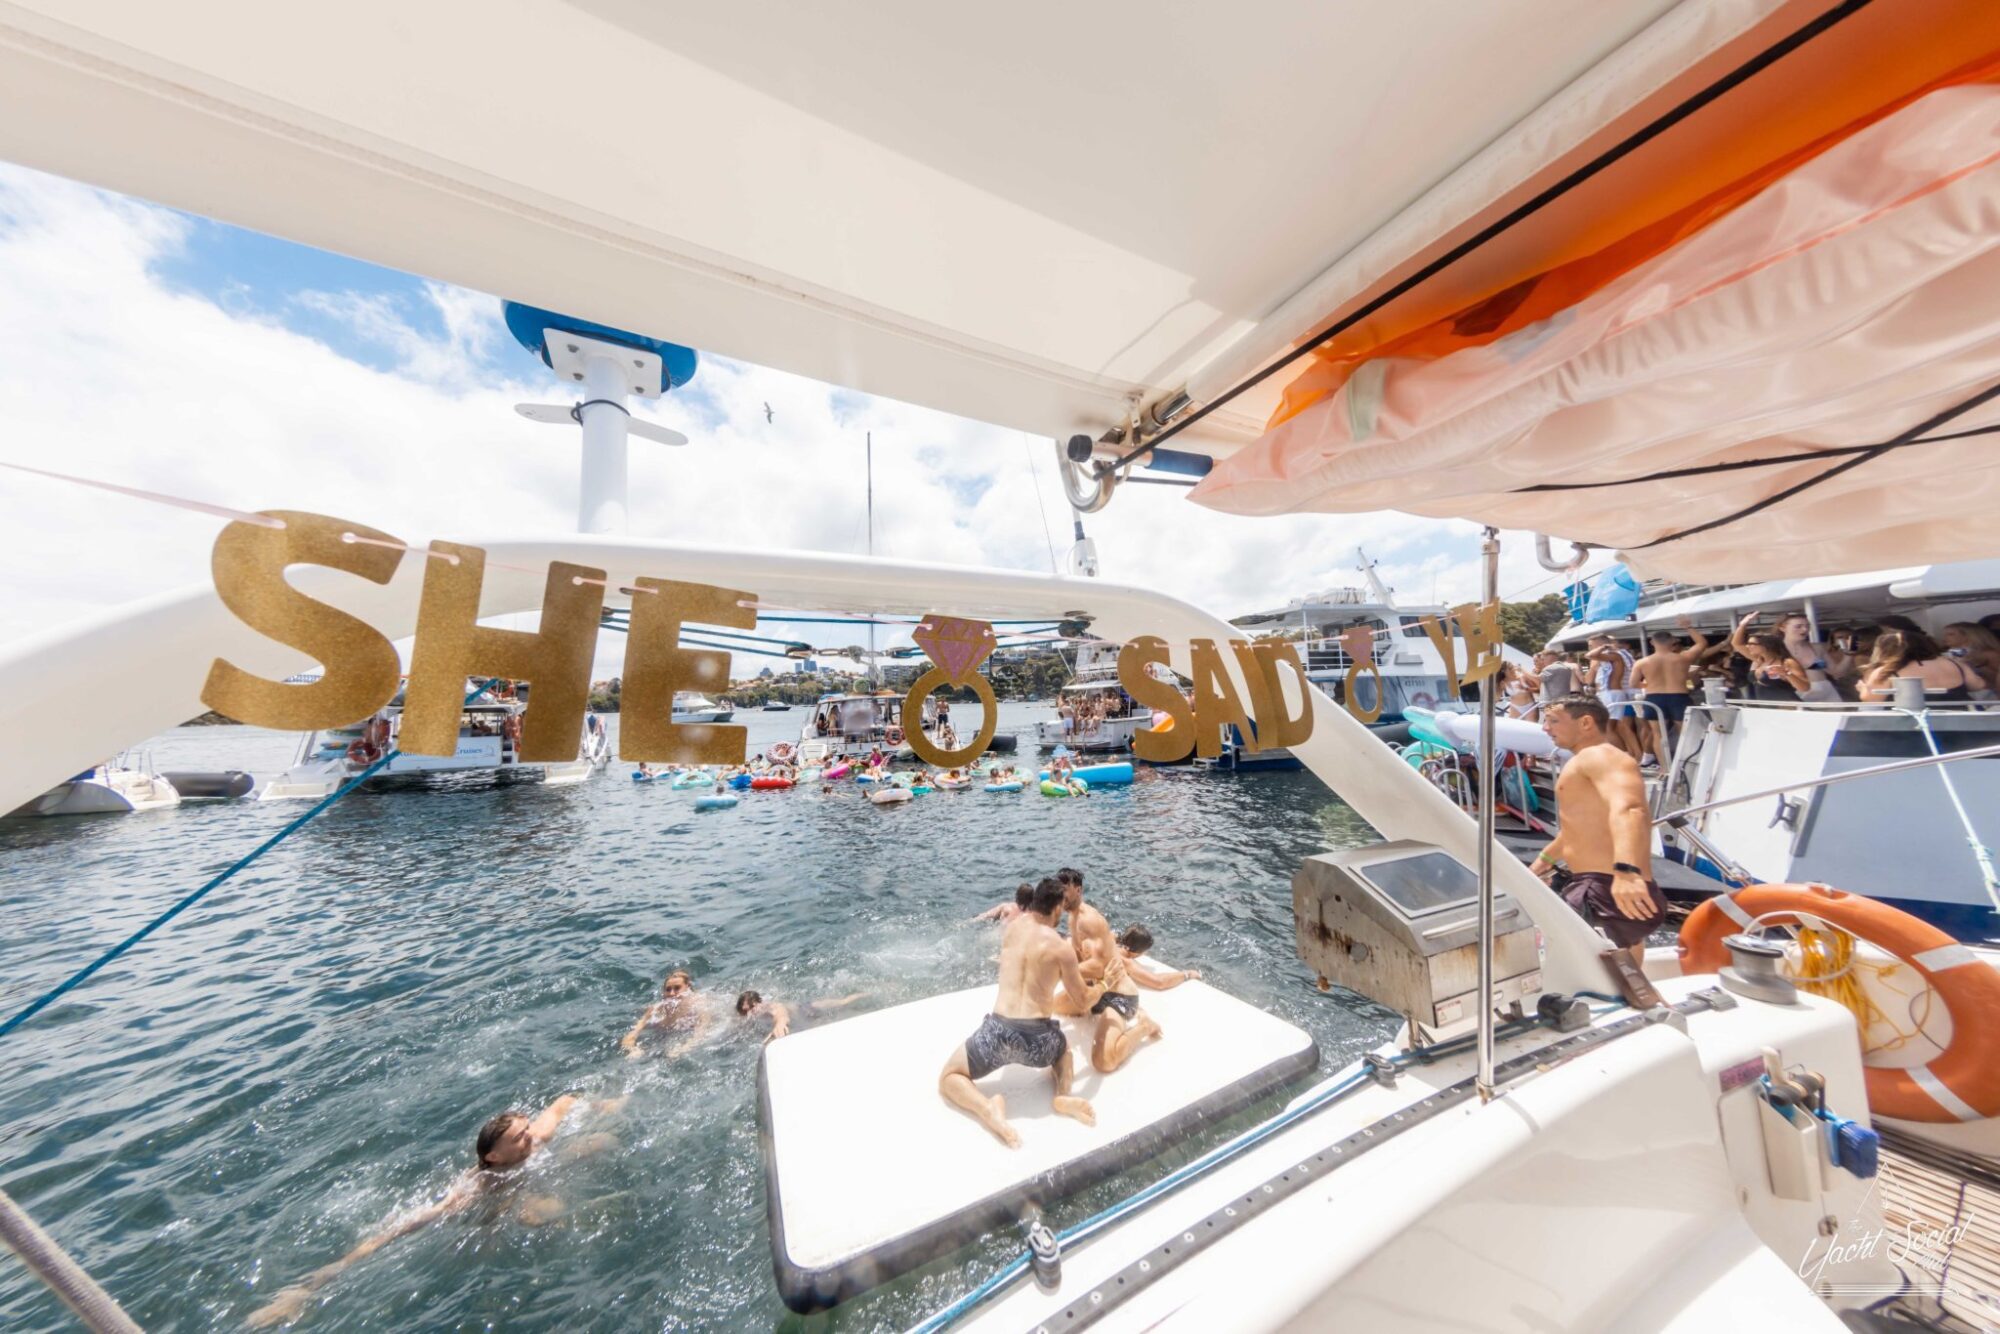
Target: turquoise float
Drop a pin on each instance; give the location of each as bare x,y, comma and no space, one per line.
1012,785
1099,775
720,801
692,779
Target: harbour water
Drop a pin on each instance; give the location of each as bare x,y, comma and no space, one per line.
312,1048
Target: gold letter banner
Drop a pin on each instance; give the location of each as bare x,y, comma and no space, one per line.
451,645
1160,745
361,666
656,667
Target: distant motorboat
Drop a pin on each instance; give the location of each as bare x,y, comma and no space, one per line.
118,787
690,707
776,706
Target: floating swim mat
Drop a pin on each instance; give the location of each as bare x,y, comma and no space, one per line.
770,784
850,1207
717,802
1051,788
1100,775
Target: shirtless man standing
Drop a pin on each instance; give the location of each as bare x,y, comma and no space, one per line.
1021,1029
1606,839
1110,993
1663,676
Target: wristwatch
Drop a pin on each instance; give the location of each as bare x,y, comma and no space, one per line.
1627,868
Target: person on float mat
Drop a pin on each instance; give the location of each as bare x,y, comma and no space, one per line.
1021,1030
751,1005
1133,942
505,1143
1606,839
1110,994
679,1009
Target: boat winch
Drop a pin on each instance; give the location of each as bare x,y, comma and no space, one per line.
1398,922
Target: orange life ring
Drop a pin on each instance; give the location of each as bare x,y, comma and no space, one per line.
894,736
1963,1083
363,751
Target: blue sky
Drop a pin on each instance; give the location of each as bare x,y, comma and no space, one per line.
245,370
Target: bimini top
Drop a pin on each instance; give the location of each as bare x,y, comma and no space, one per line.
532,326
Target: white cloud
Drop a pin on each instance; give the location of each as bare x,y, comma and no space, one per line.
107,371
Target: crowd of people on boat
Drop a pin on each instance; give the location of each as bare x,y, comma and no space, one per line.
1646,687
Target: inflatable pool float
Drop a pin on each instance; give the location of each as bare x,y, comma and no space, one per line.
919,789
866,778
1011,785
838,771
638,777
720,801
809,776
741,781
1462,730
954,784
889,796
1051,788
770,783
1099,775
693,779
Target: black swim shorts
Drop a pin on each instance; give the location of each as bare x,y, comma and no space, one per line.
1127,1006
1590,895
1673,707
1001,1041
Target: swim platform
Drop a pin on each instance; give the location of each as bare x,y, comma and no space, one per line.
869,1173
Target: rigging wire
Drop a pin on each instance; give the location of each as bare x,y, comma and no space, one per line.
1041,508
1756,64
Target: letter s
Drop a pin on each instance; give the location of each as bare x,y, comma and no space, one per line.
362,669
1161,745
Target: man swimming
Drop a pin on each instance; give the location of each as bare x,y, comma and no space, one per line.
678,1009
504,1144
1005,912
750,1005
1021,1029
1108,993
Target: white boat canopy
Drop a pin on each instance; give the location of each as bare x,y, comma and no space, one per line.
1515,245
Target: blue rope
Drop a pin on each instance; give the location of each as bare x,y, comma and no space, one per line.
116,951
971,1299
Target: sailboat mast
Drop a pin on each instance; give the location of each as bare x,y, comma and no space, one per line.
874,663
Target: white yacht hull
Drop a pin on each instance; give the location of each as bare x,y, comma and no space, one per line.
121,792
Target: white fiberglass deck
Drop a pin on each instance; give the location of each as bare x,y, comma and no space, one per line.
869,1173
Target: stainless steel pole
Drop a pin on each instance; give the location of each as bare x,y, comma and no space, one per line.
1489,694
63,1276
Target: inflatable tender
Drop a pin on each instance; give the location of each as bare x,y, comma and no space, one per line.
1051,788
838,772
718,801
889,796
849,1208
770,784
210,785
1099,775
1011,785
1963,1082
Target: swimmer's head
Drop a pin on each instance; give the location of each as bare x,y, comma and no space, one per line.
748,1001
1135,940
504,1142
677,983
1048,899
1024,895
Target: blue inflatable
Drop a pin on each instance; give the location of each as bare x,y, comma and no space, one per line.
1013,785
693,778
718,802
740,782
638,777
1099,775
1614,597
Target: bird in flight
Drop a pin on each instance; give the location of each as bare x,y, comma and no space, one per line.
767,412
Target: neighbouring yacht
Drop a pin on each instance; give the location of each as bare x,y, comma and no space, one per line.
488,735
691,707
1094,714
116,787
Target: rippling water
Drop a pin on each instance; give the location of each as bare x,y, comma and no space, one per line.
313,1047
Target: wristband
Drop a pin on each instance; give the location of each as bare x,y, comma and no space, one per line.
1627,868
1541,857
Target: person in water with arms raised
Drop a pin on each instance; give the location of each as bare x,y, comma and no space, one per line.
1109,993
1021,1030
505,1143
1606,839
679,1009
